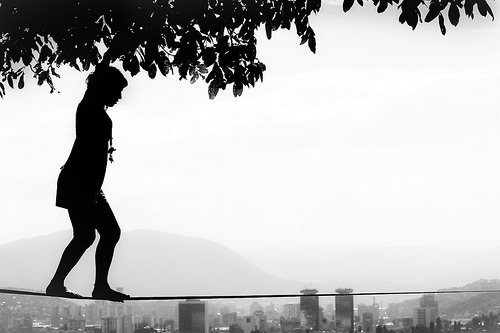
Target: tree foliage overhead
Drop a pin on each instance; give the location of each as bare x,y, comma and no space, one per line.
213,40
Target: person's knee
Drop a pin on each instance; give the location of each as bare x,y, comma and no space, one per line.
111,236
85,239
116,235
83,233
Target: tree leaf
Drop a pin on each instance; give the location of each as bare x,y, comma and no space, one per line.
152,71
347,5
237,89
134,66
213,89
162,62
10,81
402,17
441,24
484,8
453,14
312,42
20,84
42,77
251,78
269,28
26,58
209,56
85,63
195,77
313,5
53,71
382,6
412,20
469,8
45,52
434,11
228,73
202,69
304,39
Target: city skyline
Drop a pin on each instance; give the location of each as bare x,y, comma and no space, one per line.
193,316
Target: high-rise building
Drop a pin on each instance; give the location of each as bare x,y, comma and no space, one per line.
309,305
373,309
255,306
55,318
427,312
229,319
167,325
422,316
193,317
249,323
76,325
21,324
65,316
367,320
124,324
109,325
344,310
392,311
291,310
270,311
91,314
330,308
428,301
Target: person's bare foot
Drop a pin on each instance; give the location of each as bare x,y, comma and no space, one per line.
108,294
61,291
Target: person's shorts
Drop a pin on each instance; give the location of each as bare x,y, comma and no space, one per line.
70,195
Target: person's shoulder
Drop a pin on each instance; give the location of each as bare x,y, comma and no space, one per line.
86,108
84,105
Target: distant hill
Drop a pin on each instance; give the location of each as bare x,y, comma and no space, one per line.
457,305
147,263
154,263
380,269
463,305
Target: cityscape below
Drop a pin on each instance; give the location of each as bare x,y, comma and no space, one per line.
24,314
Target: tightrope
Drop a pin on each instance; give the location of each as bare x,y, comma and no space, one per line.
250,296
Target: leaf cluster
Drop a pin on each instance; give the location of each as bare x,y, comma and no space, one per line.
211,40
411,10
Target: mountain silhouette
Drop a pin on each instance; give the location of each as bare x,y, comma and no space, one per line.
462,305
147,263
382,268
155,263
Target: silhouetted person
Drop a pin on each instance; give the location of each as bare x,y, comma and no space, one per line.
79,185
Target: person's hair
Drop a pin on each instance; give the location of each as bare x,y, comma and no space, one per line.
105,77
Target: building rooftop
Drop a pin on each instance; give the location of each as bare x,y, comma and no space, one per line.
309,291
343,290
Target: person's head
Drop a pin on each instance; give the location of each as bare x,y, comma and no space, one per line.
105,85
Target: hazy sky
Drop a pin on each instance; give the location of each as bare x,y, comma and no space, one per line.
385,136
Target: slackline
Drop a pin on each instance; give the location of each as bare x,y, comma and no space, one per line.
243,296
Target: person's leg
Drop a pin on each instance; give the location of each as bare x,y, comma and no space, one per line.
109,232
83,237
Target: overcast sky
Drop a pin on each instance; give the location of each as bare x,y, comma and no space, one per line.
384,136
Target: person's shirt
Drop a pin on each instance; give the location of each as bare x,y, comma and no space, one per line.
88,159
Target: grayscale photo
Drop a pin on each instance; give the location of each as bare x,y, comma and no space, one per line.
249,166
